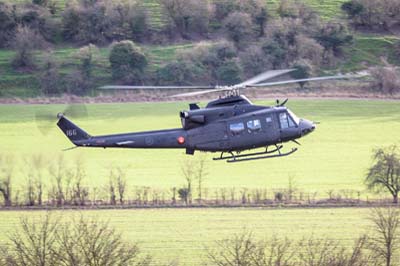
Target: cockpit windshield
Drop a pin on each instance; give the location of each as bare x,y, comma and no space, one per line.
294,117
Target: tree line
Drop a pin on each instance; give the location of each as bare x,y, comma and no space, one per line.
236,39
63,183
57,240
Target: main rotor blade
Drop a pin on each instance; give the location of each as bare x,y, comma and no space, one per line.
117,87
189,94
264,76
304,80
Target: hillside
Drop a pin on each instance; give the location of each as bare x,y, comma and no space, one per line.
368,49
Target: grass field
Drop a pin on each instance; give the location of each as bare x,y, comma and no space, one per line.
335,156
182,234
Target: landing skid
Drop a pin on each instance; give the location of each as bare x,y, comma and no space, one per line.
255,156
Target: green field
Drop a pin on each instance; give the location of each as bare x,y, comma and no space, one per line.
335,156
183,234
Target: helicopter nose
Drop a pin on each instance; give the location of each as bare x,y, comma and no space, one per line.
306,127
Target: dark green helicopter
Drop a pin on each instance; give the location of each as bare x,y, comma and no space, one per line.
229,125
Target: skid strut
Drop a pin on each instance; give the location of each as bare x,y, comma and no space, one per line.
255,156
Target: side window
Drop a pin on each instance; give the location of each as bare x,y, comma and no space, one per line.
283,119
236,128
254,125
268,119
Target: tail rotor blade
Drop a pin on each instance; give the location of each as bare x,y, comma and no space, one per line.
45,117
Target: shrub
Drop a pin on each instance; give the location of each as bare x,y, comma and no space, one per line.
207,58
179,73
86,23
38,19
303,71
25,41
229,73
352,8
50,77
333,36
8,24
127,61
40,2
396,47
87,56
188,15
385,80
276,53
238,27
254,61
309,49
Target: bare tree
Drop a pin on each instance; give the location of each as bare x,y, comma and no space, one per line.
36,165
121,184
34,244
189,173
54,241
60,187
112,191
291,188
385,171
6,172
79,193
245,250
117,185
385,242
201,172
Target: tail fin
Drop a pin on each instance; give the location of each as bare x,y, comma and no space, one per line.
72,131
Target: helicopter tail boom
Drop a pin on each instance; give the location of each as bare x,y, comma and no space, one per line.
74,133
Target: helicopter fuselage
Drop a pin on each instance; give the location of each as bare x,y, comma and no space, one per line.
232,125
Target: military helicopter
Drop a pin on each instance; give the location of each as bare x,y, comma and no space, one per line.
229,125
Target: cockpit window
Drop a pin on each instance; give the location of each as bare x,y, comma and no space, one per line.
294,117
254,125
236,128
286,121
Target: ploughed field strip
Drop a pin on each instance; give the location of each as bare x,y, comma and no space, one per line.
336,156
184,234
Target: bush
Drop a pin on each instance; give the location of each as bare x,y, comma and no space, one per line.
396,47
50,78
188,16
179,73
127,62
373,14
303,71
333,36
386,80
309,49
238,27
87,56
275,52
86,24
352,8
229,73
254,61
39,19
8,24
40,2
25,41
208,58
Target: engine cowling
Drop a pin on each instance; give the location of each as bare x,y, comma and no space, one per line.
191,120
